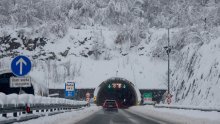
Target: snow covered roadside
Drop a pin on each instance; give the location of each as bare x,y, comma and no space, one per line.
65,118
177,116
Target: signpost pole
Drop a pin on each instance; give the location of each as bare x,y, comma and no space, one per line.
168,53
168,50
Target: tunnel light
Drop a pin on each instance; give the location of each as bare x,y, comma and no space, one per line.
124,86
114,85
117,86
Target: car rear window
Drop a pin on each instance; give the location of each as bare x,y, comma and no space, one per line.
110,103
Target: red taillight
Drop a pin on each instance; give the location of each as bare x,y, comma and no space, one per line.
104,105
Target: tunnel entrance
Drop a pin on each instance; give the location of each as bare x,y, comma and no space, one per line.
121,90
5,85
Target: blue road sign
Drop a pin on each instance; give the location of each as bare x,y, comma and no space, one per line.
21,65
69,89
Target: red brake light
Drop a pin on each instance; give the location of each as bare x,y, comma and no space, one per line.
104,104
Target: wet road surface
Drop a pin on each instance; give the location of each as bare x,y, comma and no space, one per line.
120,117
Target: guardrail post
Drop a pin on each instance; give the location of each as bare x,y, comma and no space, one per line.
15,114
4,115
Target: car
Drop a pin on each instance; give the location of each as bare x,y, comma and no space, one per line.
110,105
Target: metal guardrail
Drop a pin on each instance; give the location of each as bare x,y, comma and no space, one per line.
187,107
22,108
39,108
28,106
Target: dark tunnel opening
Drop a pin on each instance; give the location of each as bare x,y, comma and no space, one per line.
5,85
116,89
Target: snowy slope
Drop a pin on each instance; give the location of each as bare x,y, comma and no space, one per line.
91,41
90,56
196,79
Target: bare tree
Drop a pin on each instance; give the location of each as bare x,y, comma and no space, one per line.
67,67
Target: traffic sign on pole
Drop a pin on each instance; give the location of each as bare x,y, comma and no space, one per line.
21,65
169,96
69,89
20,81
147,97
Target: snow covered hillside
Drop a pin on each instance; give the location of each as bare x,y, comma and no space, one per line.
89,41
88,56
196,79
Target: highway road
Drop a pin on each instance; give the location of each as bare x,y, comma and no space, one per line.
120,117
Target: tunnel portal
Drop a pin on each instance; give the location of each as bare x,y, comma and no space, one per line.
121,90
5,85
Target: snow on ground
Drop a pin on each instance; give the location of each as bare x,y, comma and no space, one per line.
196,77
31,99
64,118
177,116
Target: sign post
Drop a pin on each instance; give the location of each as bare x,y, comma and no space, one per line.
20,81
169,96
88,98
69,89
20,66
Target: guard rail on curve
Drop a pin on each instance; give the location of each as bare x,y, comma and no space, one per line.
20,103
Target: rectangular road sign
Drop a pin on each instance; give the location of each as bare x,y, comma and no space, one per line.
147,97
20,81
69,89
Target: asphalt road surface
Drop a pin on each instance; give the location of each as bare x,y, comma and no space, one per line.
120,117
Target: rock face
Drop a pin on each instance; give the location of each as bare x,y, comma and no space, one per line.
12,44
197,75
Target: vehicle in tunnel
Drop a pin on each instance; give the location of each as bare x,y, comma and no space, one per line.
119,89
110,105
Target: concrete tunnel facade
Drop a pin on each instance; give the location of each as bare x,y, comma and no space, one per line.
123,91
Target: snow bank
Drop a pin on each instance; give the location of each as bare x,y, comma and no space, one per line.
24,99
65,118
178,116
